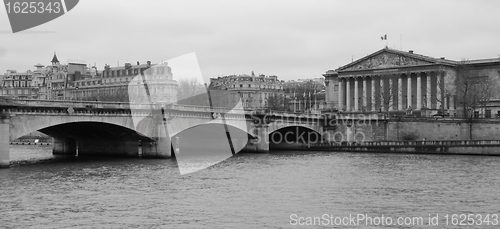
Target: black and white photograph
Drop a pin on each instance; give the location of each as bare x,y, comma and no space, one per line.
249,114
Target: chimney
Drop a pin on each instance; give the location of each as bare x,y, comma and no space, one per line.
442,58
149,63
410,51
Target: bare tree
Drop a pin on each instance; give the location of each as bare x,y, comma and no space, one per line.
276,102
446,88
119,94
389,95
486,91
189,88
473,93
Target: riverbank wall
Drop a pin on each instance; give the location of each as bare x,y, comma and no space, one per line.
413,129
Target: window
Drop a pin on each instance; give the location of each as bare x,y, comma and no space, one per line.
241,85
336,88
487,114
118,73
249,85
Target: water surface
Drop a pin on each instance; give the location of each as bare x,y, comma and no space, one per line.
245,191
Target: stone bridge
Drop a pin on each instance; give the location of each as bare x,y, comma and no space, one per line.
105,128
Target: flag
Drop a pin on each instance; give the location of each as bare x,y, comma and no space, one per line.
384,37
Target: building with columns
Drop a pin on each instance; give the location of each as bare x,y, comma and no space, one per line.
398,81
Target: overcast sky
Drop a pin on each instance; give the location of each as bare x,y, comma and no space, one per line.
290,39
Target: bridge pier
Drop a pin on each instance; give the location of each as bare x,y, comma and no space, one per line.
263,139
64,146
160,147
4,145
126,148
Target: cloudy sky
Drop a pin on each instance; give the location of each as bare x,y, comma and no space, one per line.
291,39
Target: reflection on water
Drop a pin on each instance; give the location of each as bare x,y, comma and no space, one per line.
245,191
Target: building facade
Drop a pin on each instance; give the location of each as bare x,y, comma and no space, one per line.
397,81
256,92
78,81
18,84
121,84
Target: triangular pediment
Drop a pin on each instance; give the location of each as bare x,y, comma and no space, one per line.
388,58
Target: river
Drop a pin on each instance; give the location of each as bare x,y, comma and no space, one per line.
276,190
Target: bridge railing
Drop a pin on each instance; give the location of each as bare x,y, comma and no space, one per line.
205,109
126,105
68,103
115,105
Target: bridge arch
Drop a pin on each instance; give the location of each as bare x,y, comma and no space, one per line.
20,126
293,137
211,137
94,131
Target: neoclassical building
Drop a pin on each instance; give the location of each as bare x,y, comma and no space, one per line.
393,80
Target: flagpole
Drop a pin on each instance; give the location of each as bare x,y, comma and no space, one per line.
386,43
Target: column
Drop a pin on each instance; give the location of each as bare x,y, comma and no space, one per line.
391,94
408,99
382,94
365,103
374,101
419,92
4,145
400,92
439,98
356,94
452,105
341,94
429,90
348,94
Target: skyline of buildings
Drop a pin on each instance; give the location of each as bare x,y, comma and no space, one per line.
80,81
